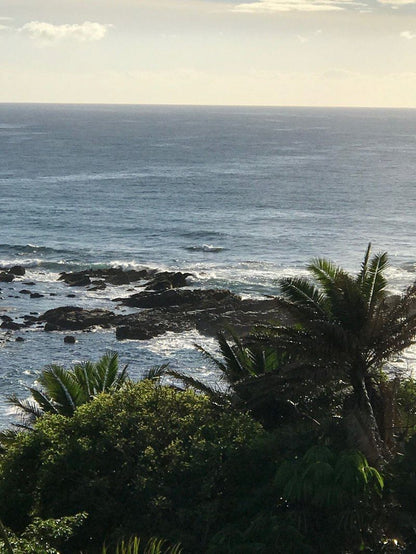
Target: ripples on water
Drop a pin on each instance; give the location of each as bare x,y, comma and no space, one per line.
237,196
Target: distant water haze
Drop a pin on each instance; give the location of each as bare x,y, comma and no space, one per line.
236,196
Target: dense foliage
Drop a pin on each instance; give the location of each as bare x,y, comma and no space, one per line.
147,460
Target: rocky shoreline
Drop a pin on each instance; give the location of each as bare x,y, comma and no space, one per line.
165,302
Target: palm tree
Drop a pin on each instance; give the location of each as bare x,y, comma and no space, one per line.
253,377
63,390
345,331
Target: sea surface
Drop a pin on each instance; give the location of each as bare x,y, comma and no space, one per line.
237,196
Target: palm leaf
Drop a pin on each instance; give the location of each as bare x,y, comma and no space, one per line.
375,283
362,276
302,292
155,372
213,392
62,389
106,370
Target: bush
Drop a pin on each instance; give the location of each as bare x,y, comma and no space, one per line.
147,460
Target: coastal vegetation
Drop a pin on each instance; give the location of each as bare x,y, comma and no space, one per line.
306,446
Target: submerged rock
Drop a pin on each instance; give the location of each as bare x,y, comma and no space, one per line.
6,277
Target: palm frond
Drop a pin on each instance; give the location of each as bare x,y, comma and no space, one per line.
61,387
214,393
325,272
302,292
84,374
106,370
362,276
155,372
375,283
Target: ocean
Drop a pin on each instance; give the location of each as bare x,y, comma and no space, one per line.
237,196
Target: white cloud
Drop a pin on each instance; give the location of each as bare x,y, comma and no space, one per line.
296,5
408,35
397,3
47,32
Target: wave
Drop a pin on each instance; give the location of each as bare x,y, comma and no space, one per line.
32,249
205,248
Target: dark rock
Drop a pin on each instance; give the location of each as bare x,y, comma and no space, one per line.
75,279
197,298
124,332
69,339
25,291
6,318
112,275
75,318
19,339
6,277
217,310
17,270
36,295
120,278
29,320
71,295
168,280
12,325
28,283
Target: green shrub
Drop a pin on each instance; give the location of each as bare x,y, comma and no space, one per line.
147,460
41,536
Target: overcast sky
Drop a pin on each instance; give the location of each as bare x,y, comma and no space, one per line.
259,52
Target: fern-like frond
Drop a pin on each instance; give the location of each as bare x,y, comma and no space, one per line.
303,293
374,285
155,372
214,393
362,276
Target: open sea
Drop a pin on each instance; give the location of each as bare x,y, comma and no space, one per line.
237,196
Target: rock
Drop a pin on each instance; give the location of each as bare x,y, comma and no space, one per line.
168,280
219,311
25,291
124,332
29,320
6,318
112,275
71,295
28,283
197,299
119,278
19,339
36,295
75,318
12,325
17,270
69,339
75,279
6,277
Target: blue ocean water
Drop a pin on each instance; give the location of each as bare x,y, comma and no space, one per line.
237,196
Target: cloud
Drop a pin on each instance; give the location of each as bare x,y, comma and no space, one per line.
47,32
296,5
397,3
408,35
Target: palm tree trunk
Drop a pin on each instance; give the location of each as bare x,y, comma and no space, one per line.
362,429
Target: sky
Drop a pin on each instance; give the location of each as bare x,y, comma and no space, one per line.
209,52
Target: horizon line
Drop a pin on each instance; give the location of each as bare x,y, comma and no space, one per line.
145,104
